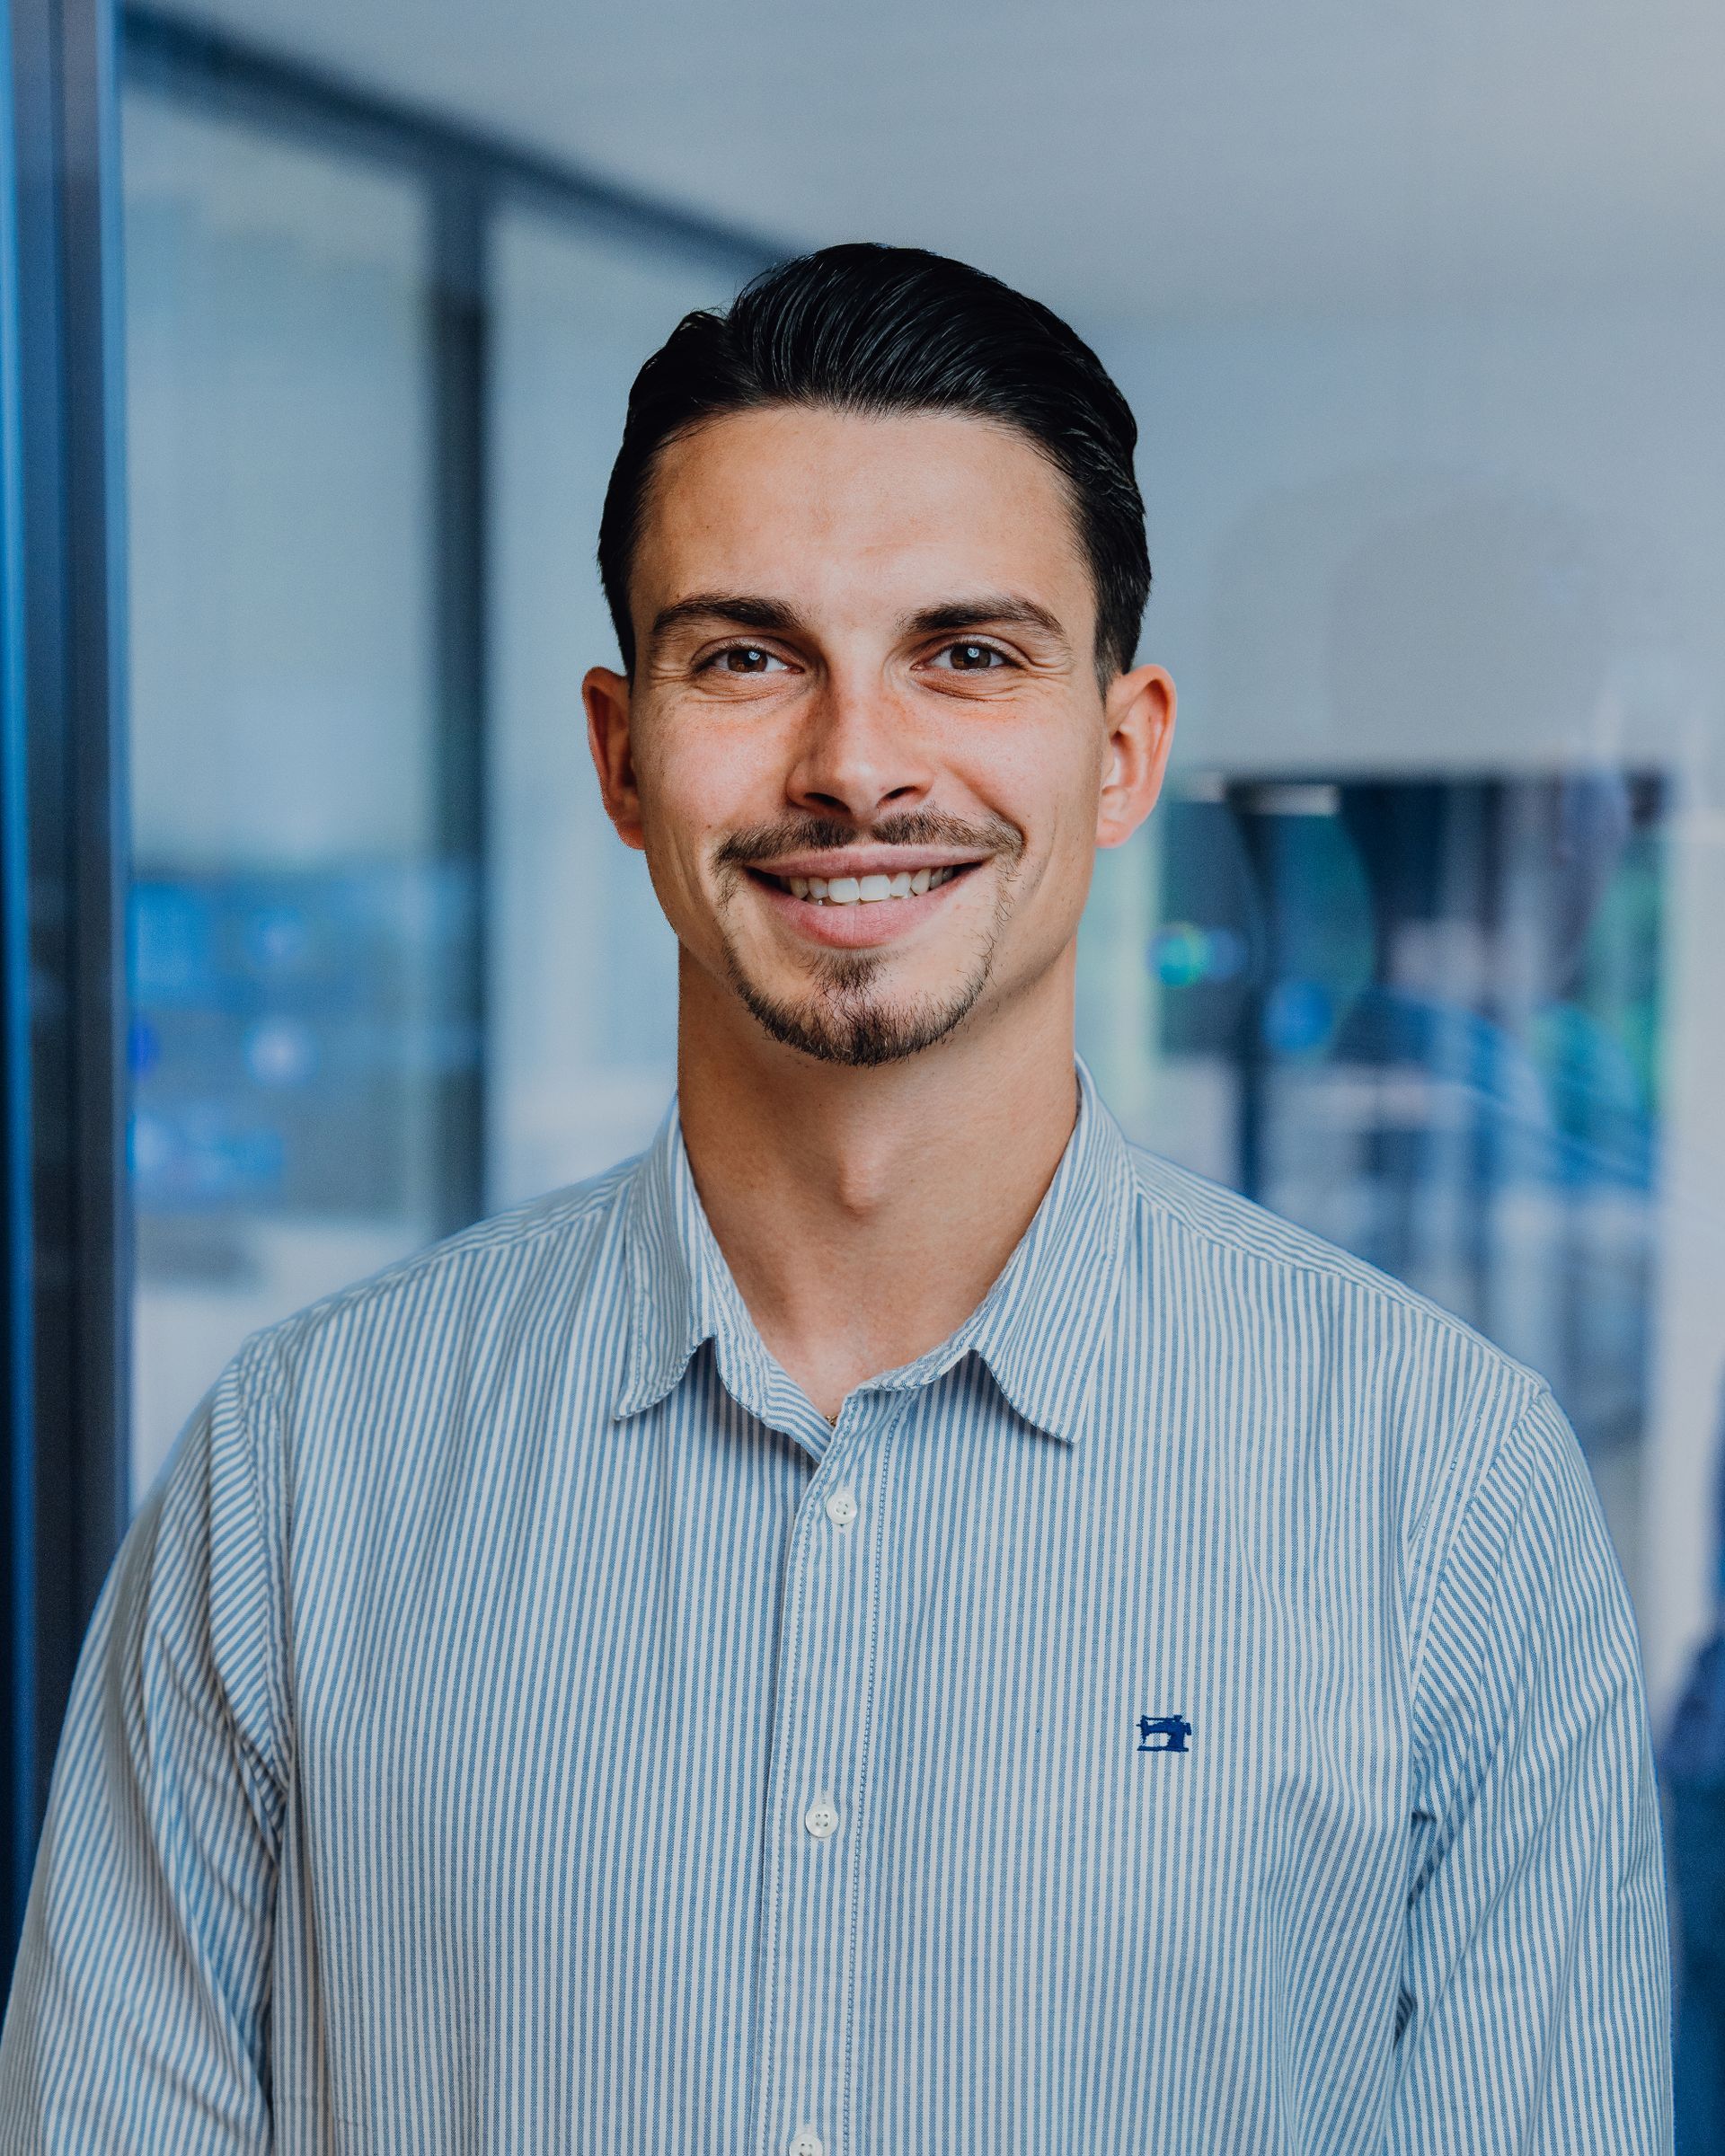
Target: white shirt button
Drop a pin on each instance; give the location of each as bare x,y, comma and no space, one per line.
806,2141
821,1819
841,1507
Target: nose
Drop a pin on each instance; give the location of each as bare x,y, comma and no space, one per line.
860,754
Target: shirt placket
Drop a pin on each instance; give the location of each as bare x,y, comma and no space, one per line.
812,1876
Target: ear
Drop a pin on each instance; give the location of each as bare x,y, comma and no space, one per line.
605,695
1139,712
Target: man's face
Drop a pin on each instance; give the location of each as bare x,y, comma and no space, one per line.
865,749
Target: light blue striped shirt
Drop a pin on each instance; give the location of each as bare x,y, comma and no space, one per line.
1195,1709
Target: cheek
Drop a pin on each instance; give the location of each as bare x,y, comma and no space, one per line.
1048,784
675,814
697,787
683,794
703,776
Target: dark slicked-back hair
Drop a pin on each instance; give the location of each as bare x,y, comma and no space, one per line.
883,330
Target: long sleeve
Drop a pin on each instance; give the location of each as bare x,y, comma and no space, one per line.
139,2013
1537,1988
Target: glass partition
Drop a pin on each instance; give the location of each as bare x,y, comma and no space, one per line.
290,916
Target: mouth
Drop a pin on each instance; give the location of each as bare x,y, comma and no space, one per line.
864,891
856,912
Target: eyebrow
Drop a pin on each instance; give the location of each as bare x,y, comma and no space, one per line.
993,606
774,617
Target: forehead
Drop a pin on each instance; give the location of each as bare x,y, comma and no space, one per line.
840,512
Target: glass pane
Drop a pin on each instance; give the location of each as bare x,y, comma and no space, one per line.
287,908
583,998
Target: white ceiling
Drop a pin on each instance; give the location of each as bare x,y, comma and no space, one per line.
1173,156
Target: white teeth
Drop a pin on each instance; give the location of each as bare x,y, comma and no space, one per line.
868,890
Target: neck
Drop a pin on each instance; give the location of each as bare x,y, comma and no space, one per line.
865,1214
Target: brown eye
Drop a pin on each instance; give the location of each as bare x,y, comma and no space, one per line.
746,658
975,658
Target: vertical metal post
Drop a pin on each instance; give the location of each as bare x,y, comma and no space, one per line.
459,418
1251,1108
17,1687
63,827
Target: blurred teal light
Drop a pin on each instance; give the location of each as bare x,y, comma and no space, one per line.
1183,955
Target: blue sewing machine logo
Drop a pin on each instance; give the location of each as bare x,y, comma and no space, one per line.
1162,1732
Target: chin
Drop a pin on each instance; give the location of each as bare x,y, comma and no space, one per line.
845,1024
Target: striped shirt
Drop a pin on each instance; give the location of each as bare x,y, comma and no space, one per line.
1194,1708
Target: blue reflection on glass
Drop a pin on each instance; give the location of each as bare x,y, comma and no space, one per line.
143,1043
1298,1018
287,1024
1441,1043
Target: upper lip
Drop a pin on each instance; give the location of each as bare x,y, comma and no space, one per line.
867,860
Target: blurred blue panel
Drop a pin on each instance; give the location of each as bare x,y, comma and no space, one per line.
1442,1040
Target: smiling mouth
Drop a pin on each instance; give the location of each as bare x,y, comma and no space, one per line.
865,890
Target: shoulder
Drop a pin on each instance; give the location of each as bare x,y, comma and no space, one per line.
442,1308
1208,1228
1334,1351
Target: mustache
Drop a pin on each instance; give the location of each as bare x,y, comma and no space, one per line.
909,828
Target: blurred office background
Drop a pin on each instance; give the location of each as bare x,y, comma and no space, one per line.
1422,313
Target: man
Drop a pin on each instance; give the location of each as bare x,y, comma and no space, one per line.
894,1621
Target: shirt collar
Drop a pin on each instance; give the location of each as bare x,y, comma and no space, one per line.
1038,1329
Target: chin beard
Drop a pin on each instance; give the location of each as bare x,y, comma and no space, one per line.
846,1014
840,1020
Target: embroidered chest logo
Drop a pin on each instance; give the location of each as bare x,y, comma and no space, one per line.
1162,1732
